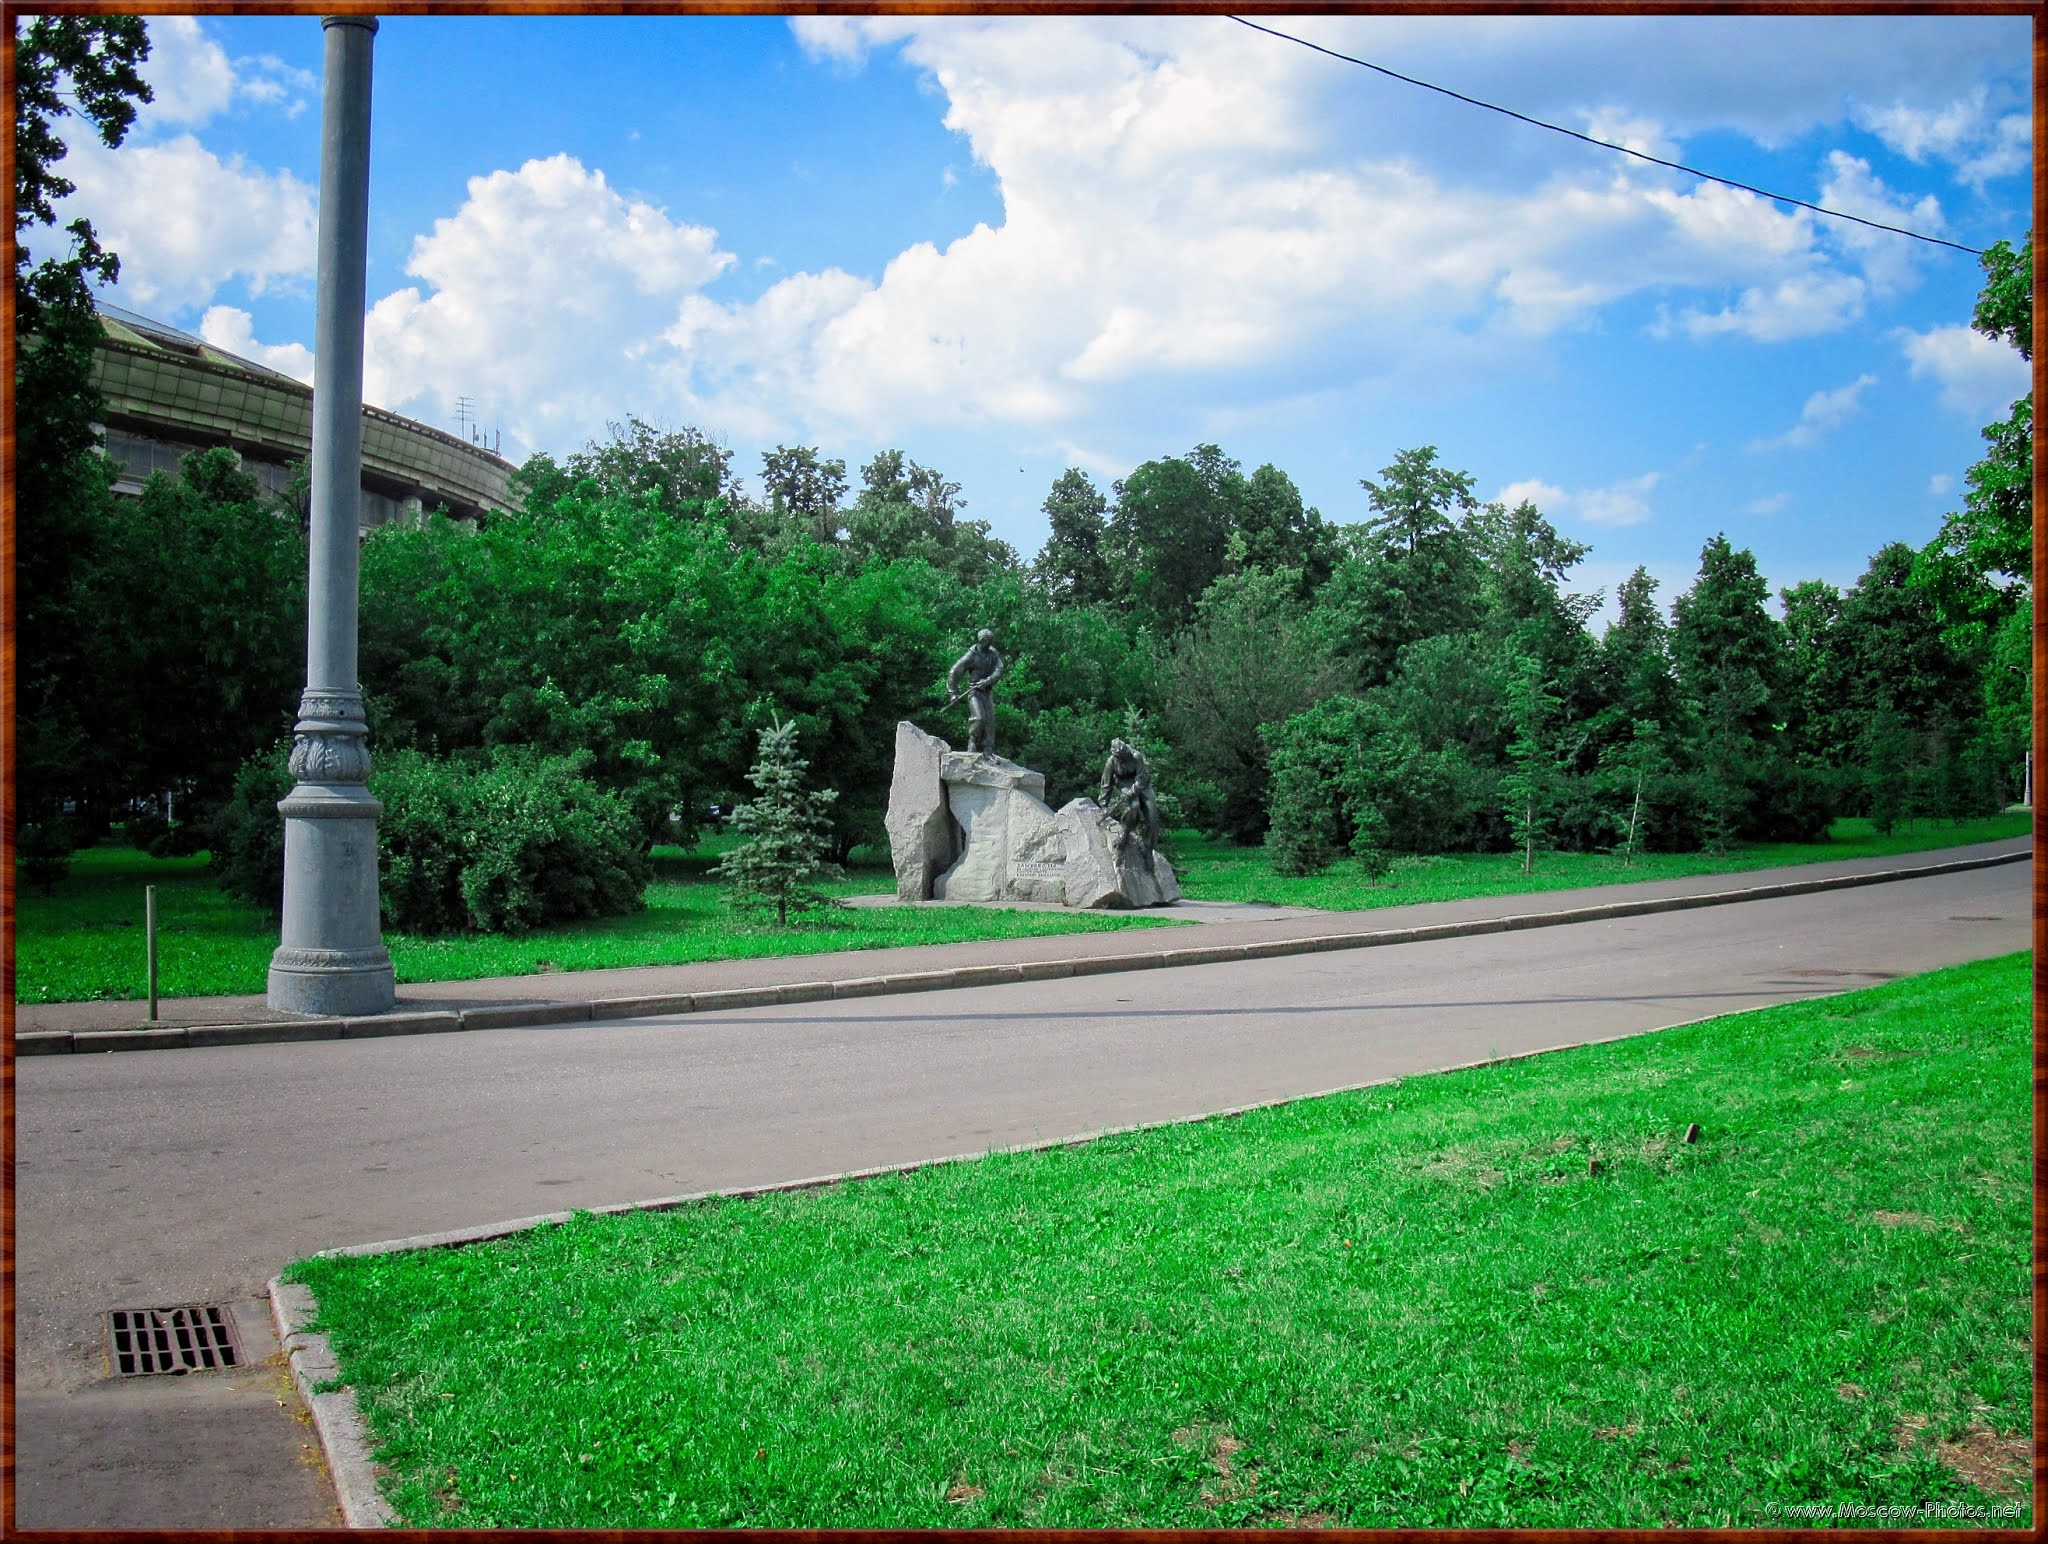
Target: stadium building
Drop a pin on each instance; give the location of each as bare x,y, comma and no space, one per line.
168,394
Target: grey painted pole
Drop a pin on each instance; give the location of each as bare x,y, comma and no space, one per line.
149,932
331,958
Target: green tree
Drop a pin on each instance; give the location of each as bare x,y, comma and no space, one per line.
1303,835
1524,562
1815,696
1073,565
2005,306
1889,643
1413,571
1413,505
2008,693
1992,534
205,671
578,622
1729,652
905,510
846,654
786,828
1636,674
1628,770
805,491
1721,629
1170,532
1887,766
63,65
685,471
1251,657
1345,778
1531,785
1274,529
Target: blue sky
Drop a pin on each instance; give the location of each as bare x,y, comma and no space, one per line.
1011,245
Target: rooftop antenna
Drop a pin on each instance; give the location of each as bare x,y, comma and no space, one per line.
465,415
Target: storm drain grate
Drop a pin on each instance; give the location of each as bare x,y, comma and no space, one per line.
191,1338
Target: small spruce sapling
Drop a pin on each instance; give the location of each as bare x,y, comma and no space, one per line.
788,833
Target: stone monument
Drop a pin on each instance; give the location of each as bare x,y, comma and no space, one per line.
971,826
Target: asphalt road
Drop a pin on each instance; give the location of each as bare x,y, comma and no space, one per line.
193,1175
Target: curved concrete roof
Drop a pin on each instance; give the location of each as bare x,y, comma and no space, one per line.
159,380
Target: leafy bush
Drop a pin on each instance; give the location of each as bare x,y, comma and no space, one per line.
146,828
498,847
43,849
1304,837
501,847
247,848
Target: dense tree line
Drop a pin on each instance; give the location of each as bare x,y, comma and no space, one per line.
1421,678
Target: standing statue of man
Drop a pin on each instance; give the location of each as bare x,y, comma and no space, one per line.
1127,795
983,667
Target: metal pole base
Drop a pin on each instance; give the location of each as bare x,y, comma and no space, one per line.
331,961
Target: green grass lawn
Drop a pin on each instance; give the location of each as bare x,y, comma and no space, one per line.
1220,872
1414,1305
86,942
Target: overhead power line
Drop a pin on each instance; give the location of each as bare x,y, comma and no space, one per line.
1691,171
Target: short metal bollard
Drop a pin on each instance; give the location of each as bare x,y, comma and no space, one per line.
149,933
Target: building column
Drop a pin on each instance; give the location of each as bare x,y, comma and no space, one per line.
331,958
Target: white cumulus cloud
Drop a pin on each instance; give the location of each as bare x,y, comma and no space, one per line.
1621,503
535,299
1545,496
1802,306
1977,375
1194,220
193,81
185,221
1822,412
1889,260
190,76
1625,502
1979,140
1178,219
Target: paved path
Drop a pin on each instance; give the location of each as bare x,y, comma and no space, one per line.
193,1175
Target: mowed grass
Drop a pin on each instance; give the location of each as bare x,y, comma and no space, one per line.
86,940
1220,872
1417,1305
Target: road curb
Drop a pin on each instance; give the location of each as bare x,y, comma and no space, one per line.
673,1004
336,1415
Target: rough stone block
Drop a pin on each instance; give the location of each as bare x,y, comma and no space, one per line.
1009,841
987,770
1099,876
920,833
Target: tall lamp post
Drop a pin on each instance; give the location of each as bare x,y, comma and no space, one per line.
331,958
